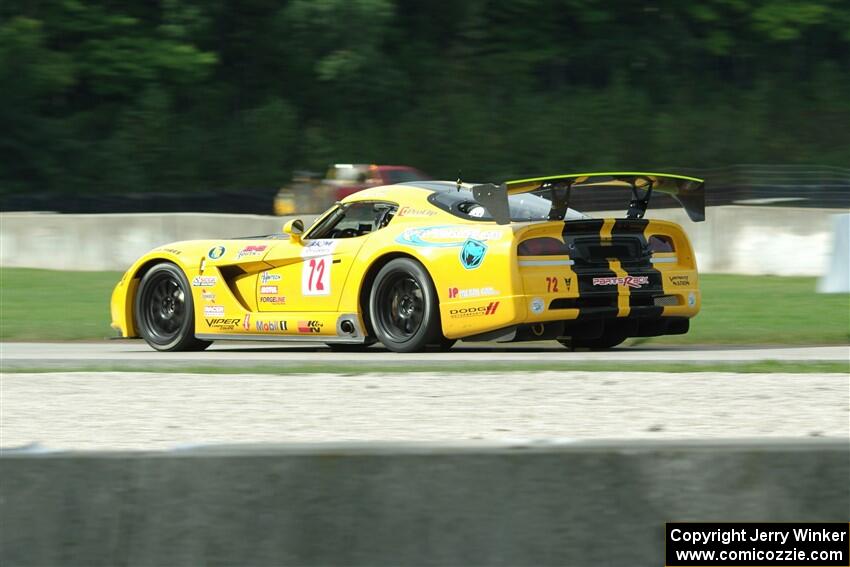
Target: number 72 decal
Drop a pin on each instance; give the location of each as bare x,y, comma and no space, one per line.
316,276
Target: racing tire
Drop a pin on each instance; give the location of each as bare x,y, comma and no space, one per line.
164,310
404,308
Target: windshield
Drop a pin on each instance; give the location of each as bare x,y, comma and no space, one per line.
523,207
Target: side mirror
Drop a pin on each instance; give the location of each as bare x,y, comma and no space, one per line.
294,228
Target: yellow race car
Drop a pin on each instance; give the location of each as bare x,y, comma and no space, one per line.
425,263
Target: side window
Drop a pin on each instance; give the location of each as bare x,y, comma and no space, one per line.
355,219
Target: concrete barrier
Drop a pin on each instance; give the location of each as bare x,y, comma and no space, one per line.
596,503
114,241
734,239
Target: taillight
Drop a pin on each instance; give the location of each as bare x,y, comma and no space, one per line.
660,243
544,246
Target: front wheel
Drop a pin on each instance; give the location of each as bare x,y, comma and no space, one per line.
164,310
403,307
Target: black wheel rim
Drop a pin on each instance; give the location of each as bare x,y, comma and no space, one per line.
401,306
163,307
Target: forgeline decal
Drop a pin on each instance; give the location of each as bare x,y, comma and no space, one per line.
455,293
271,326
537,306
251,250
246,322
445,236
208,296
216,252
204,281
221,323
213,310
680,280
472,253
309,326
272,289
629,281
266,277
489,309
413,212
277,299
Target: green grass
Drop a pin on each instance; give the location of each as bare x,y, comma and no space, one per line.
395,368
51,305
766,310
54,305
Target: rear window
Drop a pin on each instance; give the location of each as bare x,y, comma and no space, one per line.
523,207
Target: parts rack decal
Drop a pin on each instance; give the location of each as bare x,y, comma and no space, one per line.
251,250
629,281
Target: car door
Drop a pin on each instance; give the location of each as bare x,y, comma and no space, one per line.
309,276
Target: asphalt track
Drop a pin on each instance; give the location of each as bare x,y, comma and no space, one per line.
19,355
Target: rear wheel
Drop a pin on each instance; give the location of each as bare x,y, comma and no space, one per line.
164,310
403,307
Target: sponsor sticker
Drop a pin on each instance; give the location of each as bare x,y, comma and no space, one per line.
208,296
266,277
319,247
537,306
446,236
216,252
251,250
472,253
414,212
213,310
246,322
174,251
268,289
221,323
455,293
309,326
692,299
489,309
630,281
680,280
204,281
270,326
278,299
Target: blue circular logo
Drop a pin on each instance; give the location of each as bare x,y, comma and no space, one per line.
216,252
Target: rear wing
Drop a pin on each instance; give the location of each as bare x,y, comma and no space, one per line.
689,192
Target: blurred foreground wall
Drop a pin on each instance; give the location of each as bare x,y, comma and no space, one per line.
734,239
595,503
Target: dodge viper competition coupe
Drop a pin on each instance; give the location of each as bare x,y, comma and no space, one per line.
425,263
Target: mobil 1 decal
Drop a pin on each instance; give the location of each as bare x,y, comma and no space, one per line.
317,265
